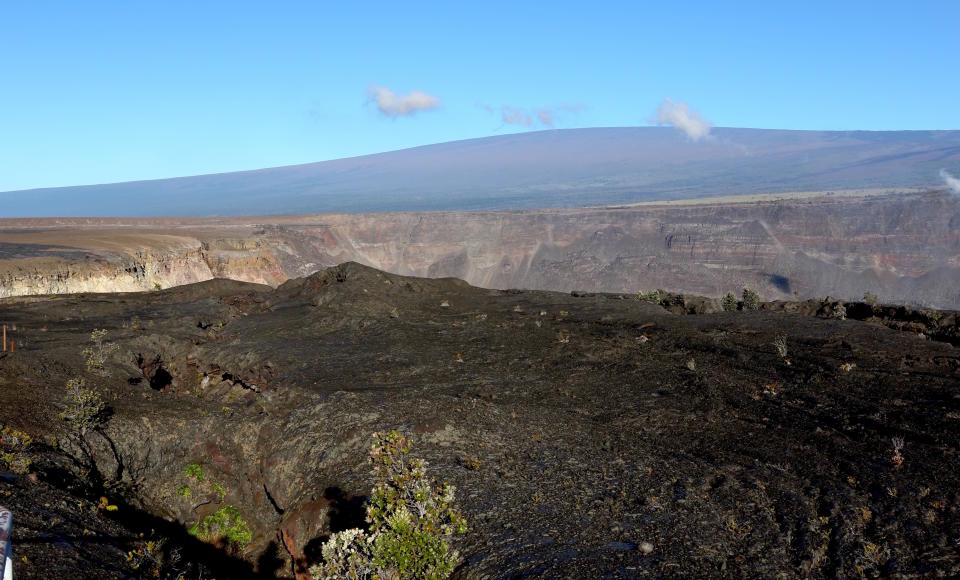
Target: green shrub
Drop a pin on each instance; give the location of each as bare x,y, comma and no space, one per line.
85,408
96,354
729,302
194,471
218,489
13,444
653,296
225,525
751,300
410,518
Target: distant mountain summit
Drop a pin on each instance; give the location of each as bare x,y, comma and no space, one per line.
557,168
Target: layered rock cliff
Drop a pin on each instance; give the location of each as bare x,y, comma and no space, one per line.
903,248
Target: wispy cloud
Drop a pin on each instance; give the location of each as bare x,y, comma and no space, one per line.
952,182
571,107
393,105
680,115
514,116
523,117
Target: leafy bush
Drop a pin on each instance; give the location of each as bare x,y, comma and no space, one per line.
194,471
218,489
85,408
96,354
224,525
410,518
729,302
653,296
751,300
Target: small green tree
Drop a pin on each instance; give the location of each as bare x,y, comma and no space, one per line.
410,518
729,302
85,408
751,300
96,354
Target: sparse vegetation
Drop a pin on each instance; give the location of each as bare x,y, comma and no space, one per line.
652,297
96,354
751,300
194,472
13,447
85,408
729,302
870,298
872,560
223,526
780,343
839,311
410,519
218,489
897,457
148,556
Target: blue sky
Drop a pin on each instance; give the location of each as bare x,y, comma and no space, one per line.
94,92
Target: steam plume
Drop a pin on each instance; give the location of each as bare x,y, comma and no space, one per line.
952,182
679,115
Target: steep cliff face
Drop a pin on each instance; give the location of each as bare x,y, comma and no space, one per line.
137,270
900,248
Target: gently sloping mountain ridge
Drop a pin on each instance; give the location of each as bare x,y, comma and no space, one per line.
557,168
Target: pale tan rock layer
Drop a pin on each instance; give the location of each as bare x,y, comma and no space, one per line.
902,248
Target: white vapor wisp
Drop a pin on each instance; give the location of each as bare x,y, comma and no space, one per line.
544,116
679,115
952,182
393,105
514,116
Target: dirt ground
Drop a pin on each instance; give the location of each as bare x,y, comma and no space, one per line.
588,435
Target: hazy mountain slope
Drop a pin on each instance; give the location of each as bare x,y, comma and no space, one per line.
573,167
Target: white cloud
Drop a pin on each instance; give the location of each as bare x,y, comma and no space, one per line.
544,116
952,182
572,107
514,116
393,105
679,115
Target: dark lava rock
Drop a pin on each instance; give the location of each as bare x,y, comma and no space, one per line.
594,425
